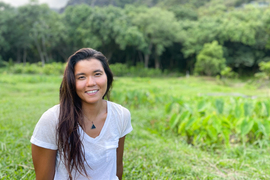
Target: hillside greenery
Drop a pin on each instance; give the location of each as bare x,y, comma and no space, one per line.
166,35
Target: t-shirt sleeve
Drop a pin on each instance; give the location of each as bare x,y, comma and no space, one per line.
126,122
44,134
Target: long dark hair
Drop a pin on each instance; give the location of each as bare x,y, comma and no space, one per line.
70,116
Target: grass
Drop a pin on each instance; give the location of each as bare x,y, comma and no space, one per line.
151,150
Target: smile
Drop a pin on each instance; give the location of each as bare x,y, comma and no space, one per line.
91,92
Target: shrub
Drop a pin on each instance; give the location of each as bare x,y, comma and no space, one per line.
53,69
119,69
265,71
2,62
228,73
210,60
36,68
261,76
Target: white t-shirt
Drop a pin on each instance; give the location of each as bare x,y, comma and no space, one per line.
100,152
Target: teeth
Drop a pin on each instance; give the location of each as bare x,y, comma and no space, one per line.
91,91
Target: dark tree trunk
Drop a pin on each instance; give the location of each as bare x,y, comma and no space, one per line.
18,60
146,56
140,56
45,54
146,60
24,55
157,63
40,53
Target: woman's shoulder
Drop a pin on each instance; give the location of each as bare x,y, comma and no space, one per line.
44,133
119,109
116,106
50,116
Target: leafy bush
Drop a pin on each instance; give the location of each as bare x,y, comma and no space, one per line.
2,62
36,68
265,67
54,68
210,60
265,71
121,70
218,121
261,75
228,73
17,69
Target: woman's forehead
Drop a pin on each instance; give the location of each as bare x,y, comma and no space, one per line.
88,65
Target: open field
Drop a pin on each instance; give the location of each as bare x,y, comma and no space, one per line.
152,150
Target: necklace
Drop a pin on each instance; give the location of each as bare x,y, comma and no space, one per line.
93,126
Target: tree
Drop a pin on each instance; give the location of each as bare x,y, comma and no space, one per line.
210,60
109,29
73,17
7,14
40,29
160,30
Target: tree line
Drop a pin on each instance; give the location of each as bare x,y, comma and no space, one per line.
168,35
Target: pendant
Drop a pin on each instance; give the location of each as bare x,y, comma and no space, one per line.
93,126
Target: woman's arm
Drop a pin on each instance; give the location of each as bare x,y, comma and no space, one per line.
44,162
120,152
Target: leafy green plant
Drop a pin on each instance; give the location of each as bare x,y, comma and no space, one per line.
219,121
228,73
139,70
37,68
210,60
265,71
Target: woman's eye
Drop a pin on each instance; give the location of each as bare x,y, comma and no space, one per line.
98,74
81,77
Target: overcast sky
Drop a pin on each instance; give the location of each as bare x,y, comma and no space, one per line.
51,3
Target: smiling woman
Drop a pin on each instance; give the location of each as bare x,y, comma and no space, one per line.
91,81
83,136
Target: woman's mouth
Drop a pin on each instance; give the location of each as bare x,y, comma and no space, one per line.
92,92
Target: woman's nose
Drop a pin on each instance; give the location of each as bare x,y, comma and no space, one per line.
91,81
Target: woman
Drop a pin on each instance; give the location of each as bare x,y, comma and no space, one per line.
82,137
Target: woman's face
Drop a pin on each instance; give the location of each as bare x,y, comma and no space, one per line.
91,81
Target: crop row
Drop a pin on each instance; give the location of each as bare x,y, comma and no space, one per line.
211,121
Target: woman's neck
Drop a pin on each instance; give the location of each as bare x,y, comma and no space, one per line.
93,110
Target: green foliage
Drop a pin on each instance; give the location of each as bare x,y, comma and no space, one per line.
152,150
210,60
183,12
228,73
165,34
159,29
265,71
2,62
139,70
265,67
261,76
220,121
119,69
37,68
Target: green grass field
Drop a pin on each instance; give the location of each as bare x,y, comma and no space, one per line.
152,150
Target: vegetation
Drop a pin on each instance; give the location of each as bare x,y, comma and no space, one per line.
184,128
210,60
154,150
167,35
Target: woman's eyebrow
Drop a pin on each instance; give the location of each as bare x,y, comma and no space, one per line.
98,70
78,74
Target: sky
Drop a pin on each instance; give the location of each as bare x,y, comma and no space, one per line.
51,3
